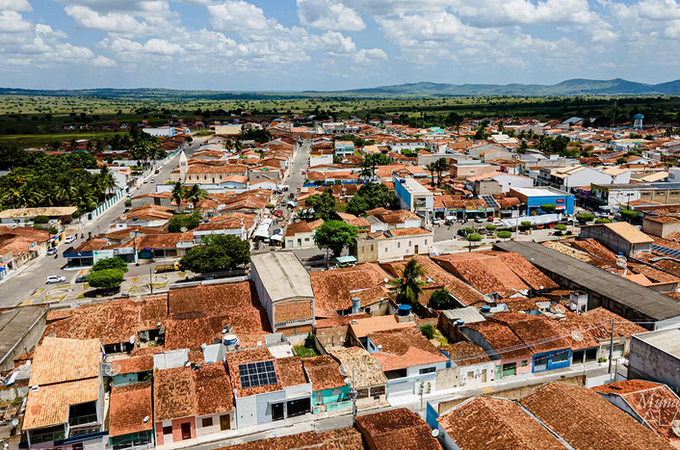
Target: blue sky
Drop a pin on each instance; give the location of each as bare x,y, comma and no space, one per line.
279,45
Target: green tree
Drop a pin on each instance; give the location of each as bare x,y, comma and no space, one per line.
188,221
196,195
628,214
216,252
371,196
437,167
335,235
409,285
41,219
585,217
114,263
474,237
560,227
324,205
108,279
440,299
548,207
491,227
602,220
504,234
428,331
177,194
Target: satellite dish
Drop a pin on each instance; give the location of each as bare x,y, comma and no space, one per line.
577,335
387,280
184,229
15,422
188,364
224,331
435,433
132,339
203,346
621,261
111,370
145,419
675,426
259,343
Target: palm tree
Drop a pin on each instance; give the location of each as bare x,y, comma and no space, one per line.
196,195
177,194
409,285
105,179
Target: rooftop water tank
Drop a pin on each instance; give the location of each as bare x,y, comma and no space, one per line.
486,309
230,339
404,310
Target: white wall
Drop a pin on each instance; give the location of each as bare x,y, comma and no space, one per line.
215,427
396,248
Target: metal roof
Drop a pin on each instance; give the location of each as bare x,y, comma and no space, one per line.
15,324
282,275
627,293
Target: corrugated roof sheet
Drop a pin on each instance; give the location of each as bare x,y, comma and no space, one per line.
282,275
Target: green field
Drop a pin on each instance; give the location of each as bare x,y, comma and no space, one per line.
28,121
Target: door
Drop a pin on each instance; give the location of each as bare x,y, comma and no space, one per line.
225,422
186,431
483,375
509,369
277,411
415,250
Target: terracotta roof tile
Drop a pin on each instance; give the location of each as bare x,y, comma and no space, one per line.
403,348
334,289
49,405
128,408
365,368
58,360
213,391
484,423
212,299
465,353
173,394
324,373
133,365
343,439
396,429
587,421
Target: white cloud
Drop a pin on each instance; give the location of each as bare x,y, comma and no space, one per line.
13,22
238,16
15,5
329,15
367,56
162,47
113,22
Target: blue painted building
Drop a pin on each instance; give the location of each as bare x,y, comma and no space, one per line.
556,359
533,198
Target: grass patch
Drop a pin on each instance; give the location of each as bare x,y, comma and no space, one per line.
305,352
440,338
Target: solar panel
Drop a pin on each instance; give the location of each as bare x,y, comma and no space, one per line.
257,374
666,185
490,201
666,250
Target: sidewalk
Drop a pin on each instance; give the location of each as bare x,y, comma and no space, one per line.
591,370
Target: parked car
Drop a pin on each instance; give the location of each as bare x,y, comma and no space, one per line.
51,251
278,213
479,220
153,180
82,278
55,279
157,171
69,240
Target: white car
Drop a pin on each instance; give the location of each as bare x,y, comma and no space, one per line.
55,279
69,239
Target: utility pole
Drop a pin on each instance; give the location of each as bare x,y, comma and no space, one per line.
150,280
517,223
611,348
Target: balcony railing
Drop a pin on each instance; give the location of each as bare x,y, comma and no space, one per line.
82,420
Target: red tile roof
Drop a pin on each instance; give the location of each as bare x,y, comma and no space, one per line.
396,429
130,405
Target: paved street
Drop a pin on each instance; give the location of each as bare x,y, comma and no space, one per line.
28,286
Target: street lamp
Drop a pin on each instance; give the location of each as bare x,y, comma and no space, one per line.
134,257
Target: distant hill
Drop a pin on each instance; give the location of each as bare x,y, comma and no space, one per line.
577,86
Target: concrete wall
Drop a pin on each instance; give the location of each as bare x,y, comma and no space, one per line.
650,363
397,248
215,427
660,229
613,241
25,343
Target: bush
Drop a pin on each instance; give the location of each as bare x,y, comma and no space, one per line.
548,207
474,237
41,219
491,227
217,252
603,221
557,233
440,299
108,279
428,331
310,341
187,221
128,203
270,206
629,214
114,263
560,227
585,217
53,230
525,224
504,234
567,233
468,230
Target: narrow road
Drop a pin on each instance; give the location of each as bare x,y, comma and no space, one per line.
20,286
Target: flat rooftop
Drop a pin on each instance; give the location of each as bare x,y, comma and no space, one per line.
620,290
14,324
666,340
539,191
413,186
283,275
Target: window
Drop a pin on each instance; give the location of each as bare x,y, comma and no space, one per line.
409,243
377,390
306,239
398,244
425,241
524,363
427,370
362,393
560,357
385,249
167,430
206,422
